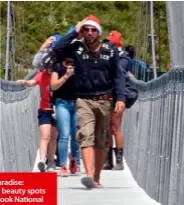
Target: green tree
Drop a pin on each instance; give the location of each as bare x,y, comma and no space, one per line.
36,21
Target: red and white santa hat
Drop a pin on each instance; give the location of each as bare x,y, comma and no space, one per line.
93,21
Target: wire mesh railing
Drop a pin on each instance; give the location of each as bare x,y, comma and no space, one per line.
154,143
19,130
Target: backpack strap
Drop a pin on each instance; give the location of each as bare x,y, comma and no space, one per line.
48,58
121,53
108,47
124,54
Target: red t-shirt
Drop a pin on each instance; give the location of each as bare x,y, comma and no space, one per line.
42,79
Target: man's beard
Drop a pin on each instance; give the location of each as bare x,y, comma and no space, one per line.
91,40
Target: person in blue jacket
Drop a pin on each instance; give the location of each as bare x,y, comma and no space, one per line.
136,66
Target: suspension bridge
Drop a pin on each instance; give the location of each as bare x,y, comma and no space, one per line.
153,130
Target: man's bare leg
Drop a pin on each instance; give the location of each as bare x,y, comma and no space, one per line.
108,165
100,156
88,160
116,131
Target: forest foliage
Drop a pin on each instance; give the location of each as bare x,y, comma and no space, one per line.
36,21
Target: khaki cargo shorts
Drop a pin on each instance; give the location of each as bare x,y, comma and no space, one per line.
93,122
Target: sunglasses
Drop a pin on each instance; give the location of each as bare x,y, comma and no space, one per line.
90,29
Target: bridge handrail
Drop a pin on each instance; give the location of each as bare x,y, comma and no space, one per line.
154,137
19,137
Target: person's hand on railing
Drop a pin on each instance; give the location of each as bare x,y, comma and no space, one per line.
22,82
27,83
130,75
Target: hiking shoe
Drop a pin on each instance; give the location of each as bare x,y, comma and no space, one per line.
119,166
107,166
51,167
119,159
41,166
64,172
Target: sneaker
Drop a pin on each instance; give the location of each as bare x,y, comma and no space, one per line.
51,167
64,172
78,171
73,166
41,166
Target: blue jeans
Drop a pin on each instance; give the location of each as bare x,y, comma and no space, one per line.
67,126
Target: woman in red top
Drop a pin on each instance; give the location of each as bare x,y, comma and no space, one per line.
48,138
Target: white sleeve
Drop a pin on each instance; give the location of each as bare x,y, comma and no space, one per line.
37,60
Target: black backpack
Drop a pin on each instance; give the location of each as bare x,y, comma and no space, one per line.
130,90
49,59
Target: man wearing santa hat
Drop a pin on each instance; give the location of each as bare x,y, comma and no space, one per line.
97,72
